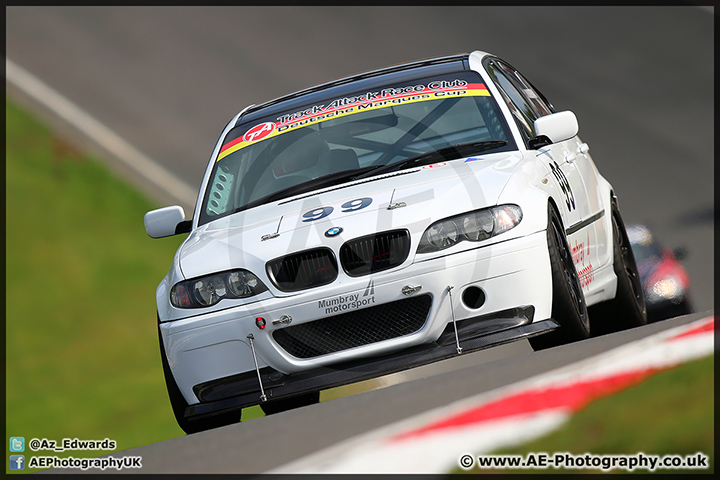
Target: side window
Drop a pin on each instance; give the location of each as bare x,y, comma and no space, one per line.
525,103
513,99
533,97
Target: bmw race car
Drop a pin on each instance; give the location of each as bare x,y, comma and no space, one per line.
383,221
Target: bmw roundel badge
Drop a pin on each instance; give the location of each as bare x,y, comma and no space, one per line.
334,232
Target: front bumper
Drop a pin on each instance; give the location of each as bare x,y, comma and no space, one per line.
210,355
277,385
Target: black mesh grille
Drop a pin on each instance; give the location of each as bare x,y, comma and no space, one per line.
356,328
374,253
303,270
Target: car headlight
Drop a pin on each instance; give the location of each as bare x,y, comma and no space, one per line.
472,227
668,288
208,290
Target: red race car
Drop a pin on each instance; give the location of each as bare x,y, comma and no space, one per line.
665,281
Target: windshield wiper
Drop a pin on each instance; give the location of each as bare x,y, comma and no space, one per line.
451,152
314,184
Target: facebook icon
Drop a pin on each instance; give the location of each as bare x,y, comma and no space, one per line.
17,462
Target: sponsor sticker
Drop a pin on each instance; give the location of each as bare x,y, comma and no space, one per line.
586,272
340,107
352,301
434,165
258,132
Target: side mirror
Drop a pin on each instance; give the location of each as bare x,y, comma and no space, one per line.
554,128
165,222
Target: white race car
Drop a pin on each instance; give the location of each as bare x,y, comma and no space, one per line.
383,221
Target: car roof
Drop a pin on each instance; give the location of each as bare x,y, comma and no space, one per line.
362,81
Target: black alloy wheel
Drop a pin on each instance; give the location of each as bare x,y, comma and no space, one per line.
568,301
627,309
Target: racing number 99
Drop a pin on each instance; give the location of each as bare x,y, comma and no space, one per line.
354,205
351,206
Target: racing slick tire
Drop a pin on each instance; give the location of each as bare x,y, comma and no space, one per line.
627,309
177,401
283,404
568,301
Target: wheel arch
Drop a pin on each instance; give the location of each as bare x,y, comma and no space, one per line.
553,204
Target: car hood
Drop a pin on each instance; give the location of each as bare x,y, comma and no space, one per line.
409,199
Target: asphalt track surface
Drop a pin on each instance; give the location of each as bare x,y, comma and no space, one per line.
266,443
167,80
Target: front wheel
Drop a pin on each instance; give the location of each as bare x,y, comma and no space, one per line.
628,308
568,301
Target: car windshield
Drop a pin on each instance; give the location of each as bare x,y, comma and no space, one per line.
329,143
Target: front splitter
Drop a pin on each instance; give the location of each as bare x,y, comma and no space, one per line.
364,369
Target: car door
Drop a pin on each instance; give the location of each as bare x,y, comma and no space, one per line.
561,159
593,231
586,236
570,166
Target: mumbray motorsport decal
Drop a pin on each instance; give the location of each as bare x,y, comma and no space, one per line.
351,301
349,105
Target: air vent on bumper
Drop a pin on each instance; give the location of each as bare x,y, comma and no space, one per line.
356,328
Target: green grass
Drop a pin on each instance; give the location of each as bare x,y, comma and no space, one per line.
81,341
82,358
671,412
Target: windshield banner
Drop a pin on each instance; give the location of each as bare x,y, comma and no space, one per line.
341,107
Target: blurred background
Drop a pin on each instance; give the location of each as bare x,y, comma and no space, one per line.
168,79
